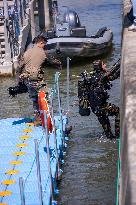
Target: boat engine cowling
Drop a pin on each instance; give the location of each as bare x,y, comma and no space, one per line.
70,25
72,18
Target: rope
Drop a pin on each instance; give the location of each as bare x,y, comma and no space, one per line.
118,174
33,162
10,176
45,187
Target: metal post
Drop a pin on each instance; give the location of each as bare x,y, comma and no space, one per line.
23,12
60,112
19,13
47,16
48,153
68,59
55,138
31,5
6,23
17,19
41,14
21,186
38,171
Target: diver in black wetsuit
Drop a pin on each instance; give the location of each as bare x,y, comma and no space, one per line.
92,93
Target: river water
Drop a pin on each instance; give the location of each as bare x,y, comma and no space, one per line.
90,169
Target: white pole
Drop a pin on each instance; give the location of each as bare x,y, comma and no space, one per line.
68,59
55,137
21,186
38,171
60,112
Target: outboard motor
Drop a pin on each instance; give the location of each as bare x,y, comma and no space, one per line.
70,25
76,30
72,18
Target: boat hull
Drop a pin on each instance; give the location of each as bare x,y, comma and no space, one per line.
80,46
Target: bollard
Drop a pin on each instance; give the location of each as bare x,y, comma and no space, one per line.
38,171
21,186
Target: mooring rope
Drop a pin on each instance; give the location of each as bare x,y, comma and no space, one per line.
118,174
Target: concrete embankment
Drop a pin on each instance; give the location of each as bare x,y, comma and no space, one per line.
127,191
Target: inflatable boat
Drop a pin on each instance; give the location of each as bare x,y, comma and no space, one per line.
69,38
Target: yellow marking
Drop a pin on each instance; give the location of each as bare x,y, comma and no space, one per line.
8,182
29,124
27,130
5,193
12,172
25,137
19,153
3,204
22,145
15,162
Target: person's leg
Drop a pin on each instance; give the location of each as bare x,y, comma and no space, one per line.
113,110
104,121
133,26
33,94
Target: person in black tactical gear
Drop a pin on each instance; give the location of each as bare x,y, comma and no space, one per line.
92,93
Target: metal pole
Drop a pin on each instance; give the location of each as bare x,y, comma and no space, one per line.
55,138
60,112
6,23
38,171
23,12
48,153
47,15
68,59
21,186
33,30
19,13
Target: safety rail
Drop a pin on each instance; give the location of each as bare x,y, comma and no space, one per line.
52,177
47,157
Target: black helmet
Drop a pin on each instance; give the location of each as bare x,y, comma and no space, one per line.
97,65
